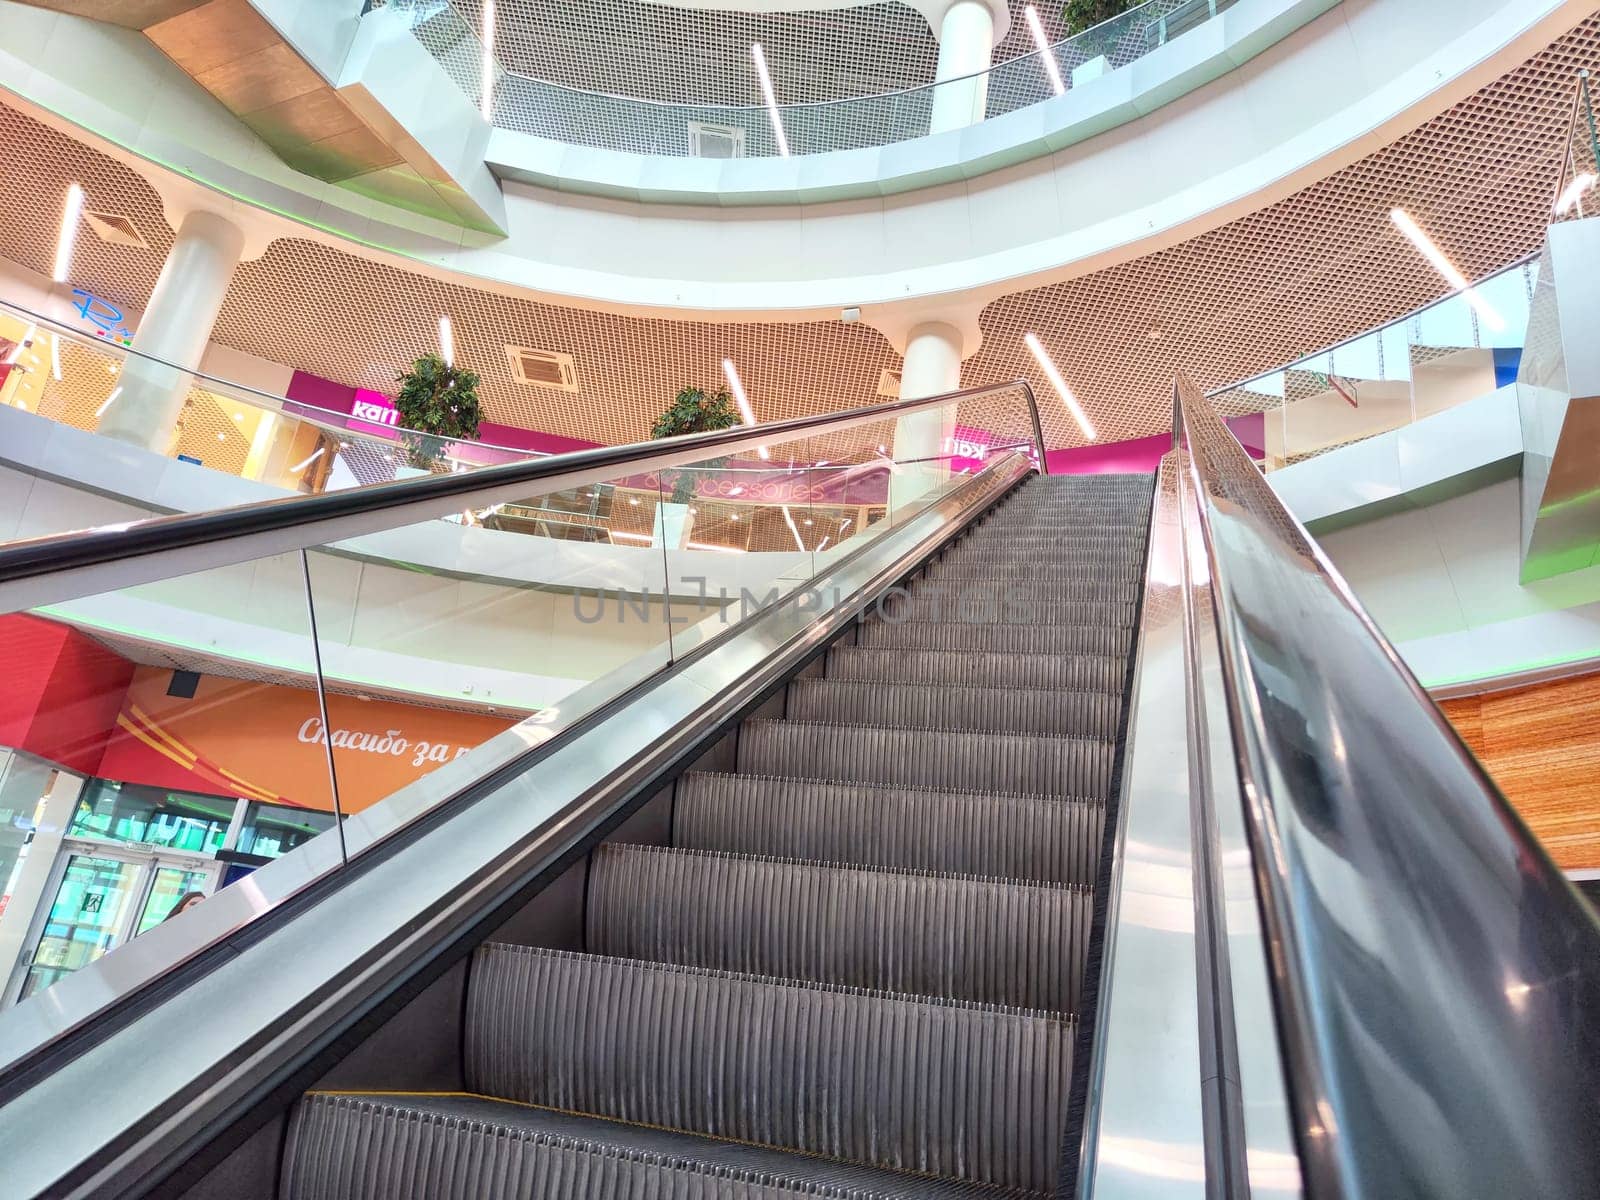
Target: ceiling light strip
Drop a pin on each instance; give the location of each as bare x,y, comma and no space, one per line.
1046,56
447,342
67,238
765,80
741,401
22,342
1435,256
108,402
1573,193
1060,385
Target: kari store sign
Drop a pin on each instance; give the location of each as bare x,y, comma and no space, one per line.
968,449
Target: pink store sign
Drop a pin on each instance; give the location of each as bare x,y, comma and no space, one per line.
374,413
968,449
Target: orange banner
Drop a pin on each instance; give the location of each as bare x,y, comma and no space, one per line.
267,742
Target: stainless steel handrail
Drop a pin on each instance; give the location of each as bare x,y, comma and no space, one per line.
1435,978
49,569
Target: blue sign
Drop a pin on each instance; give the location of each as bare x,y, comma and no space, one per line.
105,316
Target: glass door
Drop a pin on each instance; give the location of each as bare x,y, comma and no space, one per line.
169,887
103,898
93,904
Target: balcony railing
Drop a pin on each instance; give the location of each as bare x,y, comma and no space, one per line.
637,125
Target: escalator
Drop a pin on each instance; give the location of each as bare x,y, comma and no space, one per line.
854,968
1055,837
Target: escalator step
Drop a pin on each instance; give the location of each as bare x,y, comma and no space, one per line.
1067,672
354,1146
956,936
930,602
1121,571
956,706
962,638
978,833
1043,766
948,1088
977,591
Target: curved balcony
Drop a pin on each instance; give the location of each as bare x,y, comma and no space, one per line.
639,125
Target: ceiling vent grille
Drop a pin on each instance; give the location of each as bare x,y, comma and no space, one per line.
116,229
543,368
715,141
889,383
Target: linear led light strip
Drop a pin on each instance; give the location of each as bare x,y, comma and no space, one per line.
71,214
1573,193
1060,385
16,351
789,520
741,401
486,90
447,342
765,80
109,401
1039,40
1435,256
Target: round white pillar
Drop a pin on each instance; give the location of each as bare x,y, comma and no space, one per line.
966,44
922,441
175,328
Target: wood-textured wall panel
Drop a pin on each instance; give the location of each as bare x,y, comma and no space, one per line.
1542,746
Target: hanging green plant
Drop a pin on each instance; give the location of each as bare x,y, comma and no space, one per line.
438,404
1077,16
694,410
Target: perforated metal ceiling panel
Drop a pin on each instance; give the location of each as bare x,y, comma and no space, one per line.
39,165
1307,272
1247,297
359,321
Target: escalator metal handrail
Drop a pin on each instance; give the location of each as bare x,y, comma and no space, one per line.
118,556
1435,978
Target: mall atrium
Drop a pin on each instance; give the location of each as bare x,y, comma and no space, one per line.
747,599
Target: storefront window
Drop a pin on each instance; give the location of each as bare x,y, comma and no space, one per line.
271,830
151,816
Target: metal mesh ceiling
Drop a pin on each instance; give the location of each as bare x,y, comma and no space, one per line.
1247,297
1309,271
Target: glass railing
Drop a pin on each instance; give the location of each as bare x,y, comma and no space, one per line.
643,126
96,384
75,379
1441,356
1456,350
271,716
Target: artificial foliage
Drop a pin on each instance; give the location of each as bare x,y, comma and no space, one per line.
437,403
694,410
1079,15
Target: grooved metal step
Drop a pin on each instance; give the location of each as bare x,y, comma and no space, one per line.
1065,672
955,706
380,1146
1128,571
994,639
1045,766
952,1089
1033,838
956,936
1081,590
929,601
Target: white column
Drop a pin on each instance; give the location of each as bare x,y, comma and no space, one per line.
931,367
175,328
966,44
